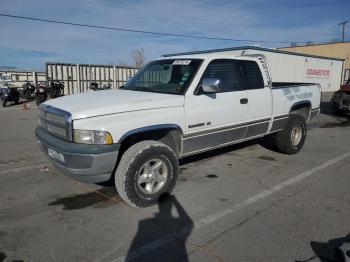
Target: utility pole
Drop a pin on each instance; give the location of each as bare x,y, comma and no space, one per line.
343,24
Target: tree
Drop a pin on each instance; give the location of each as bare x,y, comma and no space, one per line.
138,56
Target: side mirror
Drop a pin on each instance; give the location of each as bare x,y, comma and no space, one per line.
211,85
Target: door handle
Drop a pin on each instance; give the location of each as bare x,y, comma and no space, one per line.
244,100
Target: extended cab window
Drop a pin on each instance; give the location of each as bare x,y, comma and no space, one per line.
170,76
226,71
252,75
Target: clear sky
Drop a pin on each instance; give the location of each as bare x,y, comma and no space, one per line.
29,44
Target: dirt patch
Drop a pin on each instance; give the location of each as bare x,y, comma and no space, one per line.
183,169
99,199
182,179
267,158
212,176
229,164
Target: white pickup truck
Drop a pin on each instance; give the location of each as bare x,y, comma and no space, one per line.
172,108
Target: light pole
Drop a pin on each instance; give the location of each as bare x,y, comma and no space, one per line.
343,24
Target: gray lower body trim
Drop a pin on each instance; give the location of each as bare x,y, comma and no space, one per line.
221,145
279,123
314,113
203,141
198,143
257,129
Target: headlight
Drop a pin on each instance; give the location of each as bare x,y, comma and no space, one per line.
92,137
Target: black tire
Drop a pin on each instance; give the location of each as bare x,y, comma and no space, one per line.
4,101
283,139
340,113
40,99
27,94
130,166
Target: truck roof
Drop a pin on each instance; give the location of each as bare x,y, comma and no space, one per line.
207,56
211,51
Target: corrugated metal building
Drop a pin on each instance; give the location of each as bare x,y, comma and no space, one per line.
78,77
337,50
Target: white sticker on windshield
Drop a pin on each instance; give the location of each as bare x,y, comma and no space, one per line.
181,62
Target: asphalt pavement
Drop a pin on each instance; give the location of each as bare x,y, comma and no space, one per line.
240,203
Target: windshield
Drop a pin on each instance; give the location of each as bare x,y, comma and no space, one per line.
171,76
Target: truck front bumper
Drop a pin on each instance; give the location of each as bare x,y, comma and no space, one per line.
86,163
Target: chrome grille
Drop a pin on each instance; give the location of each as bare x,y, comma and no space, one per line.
56,121
61,131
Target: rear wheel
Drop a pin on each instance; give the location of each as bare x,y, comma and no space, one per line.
146,171
292,138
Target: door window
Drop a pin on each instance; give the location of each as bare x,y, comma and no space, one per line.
252,75
226,71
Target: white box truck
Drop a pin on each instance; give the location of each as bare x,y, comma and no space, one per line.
290,67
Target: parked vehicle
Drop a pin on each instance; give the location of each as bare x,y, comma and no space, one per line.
56,89
105,86
341,99
28,90
2,90
172,108
40,94
10,94
95,87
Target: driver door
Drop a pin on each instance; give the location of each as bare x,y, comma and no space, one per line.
216,119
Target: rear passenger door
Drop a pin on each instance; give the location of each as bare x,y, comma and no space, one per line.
259,98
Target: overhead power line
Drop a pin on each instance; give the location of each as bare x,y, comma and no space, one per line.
142,31
343,25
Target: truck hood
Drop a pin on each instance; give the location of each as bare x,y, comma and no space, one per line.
96,103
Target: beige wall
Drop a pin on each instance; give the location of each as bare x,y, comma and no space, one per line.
19,77
337,50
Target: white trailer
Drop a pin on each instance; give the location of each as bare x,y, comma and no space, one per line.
291,67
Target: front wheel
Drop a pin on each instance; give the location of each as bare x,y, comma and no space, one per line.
146,171
292,138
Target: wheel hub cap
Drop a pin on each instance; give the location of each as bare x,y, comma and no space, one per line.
152,176
296,135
